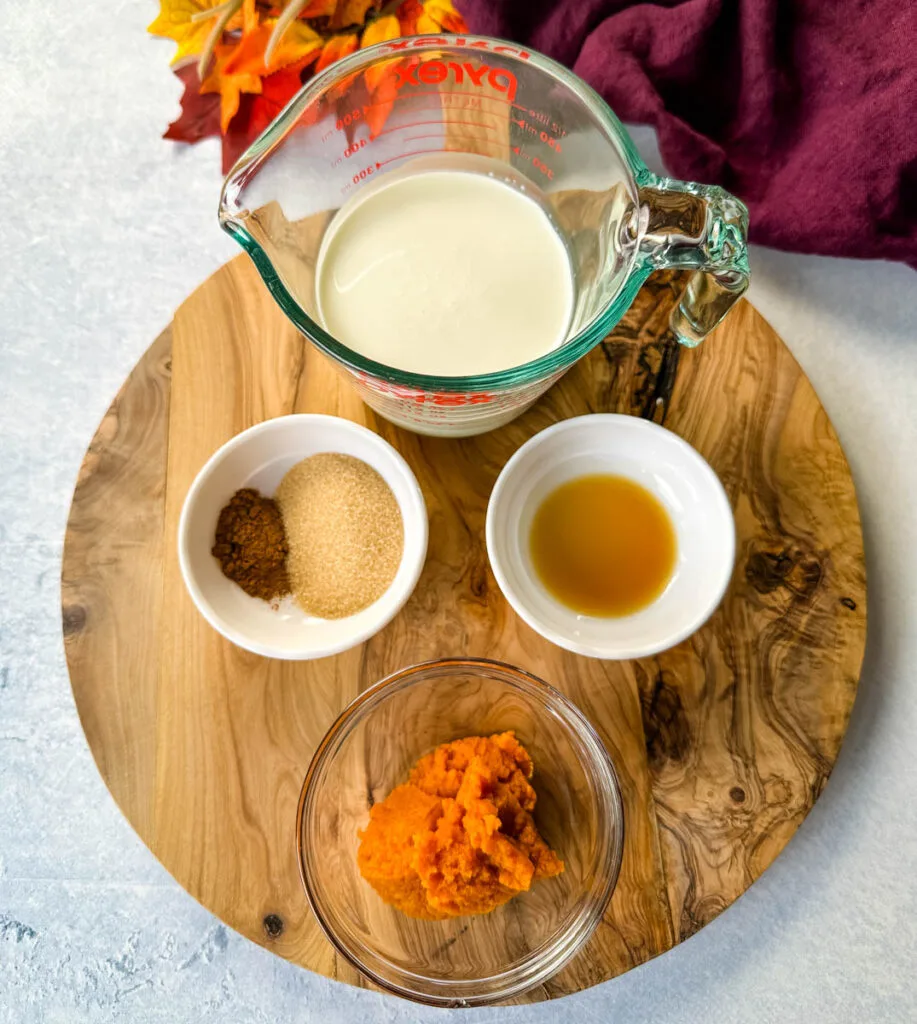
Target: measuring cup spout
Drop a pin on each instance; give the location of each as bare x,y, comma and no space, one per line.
701,227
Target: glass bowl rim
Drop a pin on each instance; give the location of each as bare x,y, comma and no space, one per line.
548,958
555,361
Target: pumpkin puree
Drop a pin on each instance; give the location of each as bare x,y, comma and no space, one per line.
458,837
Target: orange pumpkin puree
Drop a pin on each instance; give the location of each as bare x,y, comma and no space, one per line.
458,837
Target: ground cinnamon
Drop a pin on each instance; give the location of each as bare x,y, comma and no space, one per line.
251,546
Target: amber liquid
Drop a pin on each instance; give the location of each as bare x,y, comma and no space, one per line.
603,545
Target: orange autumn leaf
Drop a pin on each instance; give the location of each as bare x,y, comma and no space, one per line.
257,112
384,95
240,67
319,9
254,54
297,43
229,86
379,31
336,48
245,19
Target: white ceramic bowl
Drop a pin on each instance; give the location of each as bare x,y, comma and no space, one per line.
666,466
259,458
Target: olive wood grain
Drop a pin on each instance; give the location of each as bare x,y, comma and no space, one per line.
723,744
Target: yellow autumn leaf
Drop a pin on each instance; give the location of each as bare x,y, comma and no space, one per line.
244,20
444,15
427,26
380,30
297,42
186,22
249,17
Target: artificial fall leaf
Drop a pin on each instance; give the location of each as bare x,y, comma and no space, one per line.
226,12
245,18
240,66
427,26
174,21
336,48
264,49
380,30
444,15
407,14
257,112
249,16
298,42
351,12
384,95
319,9
200,115
229,86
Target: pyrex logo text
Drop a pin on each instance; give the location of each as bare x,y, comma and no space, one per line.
433,72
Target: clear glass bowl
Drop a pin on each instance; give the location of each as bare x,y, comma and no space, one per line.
371,748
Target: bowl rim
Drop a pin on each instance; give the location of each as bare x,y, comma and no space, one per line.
548,958
721,504
420,522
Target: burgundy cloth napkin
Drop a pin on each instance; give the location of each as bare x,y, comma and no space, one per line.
805,109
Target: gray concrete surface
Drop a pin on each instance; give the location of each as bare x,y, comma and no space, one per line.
105,229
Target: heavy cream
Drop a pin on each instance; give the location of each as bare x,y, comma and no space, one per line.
445,272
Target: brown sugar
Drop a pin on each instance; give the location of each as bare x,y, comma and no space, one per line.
458,838
345,533
251,546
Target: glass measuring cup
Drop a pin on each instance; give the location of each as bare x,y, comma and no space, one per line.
485,105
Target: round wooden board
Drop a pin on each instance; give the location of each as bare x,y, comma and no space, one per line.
723,744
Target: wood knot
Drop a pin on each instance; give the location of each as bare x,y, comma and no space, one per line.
273,926
665,724
478,582
74,619
737,795
793,570
700,914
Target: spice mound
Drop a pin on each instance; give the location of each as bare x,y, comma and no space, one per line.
458,837
251,546
345,534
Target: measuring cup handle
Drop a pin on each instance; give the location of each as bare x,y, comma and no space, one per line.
700,226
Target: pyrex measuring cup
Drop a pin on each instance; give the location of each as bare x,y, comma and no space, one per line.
491,106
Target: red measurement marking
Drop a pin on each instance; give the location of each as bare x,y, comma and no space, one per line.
414,94
545,170
470,42
418,124
404,156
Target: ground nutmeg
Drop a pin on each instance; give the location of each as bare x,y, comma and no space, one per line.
251,546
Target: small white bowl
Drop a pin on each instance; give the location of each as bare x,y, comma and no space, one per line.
666,466
259,457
